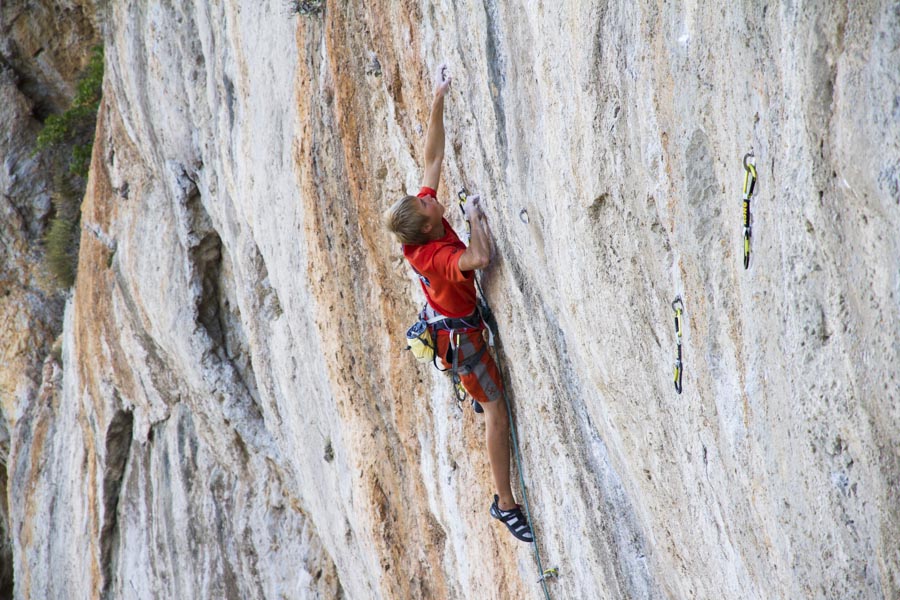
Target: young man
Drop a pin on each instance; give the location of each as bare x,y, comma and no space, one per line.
446,270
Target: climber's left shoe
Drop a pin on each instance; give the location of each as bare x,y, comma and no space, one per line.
514,520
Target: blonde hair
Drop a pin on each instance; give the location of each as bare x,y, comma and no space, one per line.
404,220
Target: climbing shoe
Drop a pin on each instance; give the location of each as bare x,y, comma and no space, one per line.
514,520
476,406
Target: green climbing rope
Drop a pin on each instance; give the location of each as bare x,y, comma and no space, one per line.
488,318
492,325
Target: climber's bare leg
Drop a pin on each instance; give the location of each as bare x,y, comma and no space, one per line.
496,433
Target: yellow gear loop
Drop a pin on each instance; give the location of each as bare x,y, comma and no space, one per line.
678,307
749,184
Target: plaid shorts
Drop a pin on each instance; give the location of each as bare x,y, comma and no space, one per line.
481,380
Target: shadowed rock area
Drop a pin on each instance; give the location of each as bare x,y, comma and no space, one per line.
232,413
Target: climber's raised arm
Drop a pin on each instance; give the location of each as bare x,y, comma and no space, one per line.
434,138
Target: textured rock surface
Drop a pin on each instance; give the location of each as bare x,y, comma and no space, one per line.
43,46
234,415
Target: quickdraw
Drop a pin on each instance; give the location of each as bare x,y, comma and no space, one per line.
749,184
678,307
548,574
463,197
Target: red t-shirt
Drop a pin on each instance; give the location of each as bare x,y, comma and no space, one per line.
448,290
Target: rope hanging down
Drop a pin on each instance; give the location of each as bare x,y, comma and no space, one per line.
749,184
488,317
678,307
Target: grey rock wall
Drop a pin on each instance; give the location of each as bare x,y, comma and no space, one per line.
43,46
234,415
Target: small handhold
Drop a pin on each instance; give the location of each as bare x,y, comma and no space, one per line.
374,66
523,216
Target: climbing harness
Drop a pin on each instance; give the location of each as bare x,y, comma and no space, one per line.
490,324
678,307
421,339
749,184
455,327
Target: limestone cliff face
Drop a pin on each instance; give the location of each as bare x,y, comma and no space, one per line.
43,47
235,416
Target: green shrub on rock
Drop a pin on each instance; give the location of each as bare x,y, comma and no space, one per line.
74,129
67,141
61,243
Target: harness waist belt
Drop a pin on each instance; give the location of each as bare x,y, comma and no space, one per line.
473,321
440,322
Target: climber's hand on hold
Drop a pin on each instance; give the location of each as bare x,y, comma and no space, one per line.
478,254
472,207
442,80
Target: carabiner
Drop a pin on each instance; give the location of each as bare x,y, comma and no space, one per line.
752,164
678,307
749,175
548,574
678,375
459,391
747,234
462,197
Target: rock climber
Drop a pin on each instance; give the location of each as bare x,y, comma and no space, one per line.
446,270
